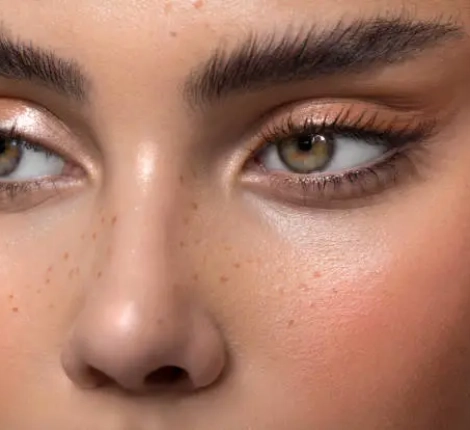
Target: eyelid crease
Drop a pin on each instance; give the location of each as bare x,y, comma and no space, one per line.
367,123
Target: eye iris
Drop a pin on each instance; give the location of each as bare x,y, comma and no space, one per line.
10,156
306,153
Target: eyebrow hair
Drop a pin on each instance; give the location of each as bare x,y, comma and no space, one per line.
22,61
261,62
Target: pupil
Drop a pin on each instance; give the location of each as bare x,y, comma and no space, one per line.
306,143
3,146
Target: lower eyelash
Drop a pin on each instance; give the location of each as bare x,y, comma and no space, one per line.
337,190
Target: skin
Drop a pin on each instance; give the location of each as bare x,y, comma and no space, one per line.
282,316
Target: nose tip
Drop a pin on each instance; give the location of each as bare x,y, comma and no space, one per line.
184,354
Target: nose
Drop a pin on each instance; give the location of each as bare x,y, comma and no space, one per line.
143,346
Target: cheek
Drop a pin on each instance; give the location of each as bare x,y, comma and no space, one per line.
39,287
384,323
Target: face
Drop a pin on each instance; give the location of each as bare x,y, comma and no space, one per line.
234,215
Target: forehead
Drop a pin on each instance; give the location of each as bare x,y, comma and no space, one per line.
98,28
223,16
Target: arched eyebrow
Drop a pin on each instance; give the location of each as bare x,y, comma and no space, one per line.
265,61
23,61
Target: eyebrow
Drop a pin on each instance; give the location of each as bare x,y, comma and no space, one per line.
261,62
22,61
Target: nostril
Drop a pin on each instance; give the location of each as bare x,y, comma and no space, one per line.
167,375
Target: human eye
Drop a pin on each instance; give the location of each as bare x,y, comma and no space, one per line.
21,160
332,152
34,166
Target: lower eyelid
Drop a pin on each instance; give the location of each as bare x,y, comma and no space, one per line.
351,188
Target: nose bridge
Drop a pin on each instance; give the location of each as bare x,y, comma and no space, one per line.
136,320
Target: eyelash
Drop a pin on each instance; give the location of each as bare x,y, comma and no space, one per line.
9,191
353,183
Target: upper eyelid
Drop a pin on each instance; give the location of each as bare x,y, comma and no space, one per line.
39,126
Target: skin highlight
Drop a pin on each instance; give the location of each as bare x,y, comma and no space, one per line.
171,280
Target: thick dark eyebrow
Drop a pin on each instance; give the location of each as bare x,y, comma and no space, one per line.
261,62
22,61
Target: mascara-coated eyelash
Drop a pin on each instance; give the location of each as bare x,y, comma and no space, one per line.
397,137
369,129
31,173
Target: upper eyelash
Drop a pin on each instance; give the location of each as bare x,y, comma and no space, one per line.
11,133
369,130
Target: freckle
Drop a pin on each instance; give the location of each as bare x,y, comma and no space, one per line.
51,306
160,321
237,265
38,291
77,271
223,279
66,256
291,323
99,275
173,34
196,277
168,7
198,4
16,310
197,242
93,236
71,273
195,206
228,248
11,296
181,178
249,261
109,251
182,244
48,281
186,221
114,220
82,236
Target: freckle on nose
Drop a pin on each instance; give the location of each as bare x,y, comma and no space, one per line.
168,7
198,4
